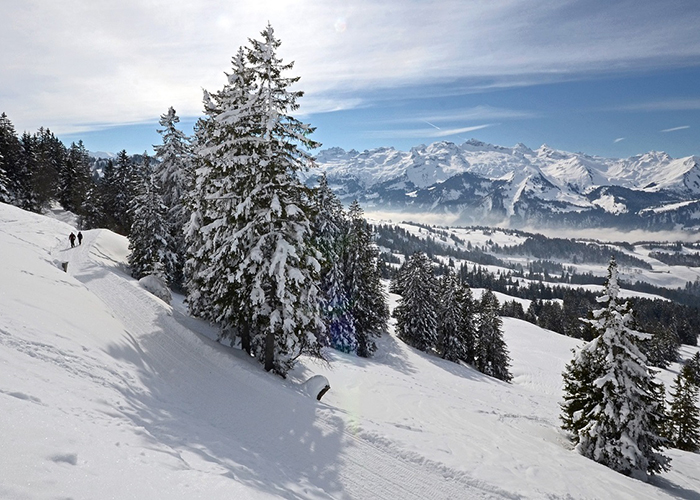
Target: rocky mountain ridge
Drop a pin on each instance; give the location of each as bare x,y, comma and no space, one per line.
480,183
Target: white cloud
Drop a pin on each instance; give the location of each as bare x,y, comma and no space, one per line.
72,62
619,139
683,127
435,132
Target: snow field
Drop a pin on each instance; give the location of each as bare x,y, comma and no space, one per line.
107,392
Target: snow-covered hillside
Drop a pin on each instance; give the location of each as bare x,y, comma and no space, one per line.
107,392
479,183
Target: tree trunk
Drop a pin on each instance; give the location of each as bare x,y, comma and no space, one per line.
245,337
269,351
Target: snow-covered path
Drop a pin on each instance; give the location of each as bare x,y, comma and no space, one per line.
191,383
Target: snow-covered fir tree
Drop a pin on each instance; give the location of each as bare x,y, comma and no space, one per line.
449,318
330,229
255,271
490,352
10,161
456,320
662,348
148,235
417,310
5,196
612,405
75,179
119,186
363,287
51,162
174,174
683,424
693,365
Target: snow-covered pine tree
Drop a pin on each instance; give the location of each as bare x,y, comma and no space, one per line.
225,148
5,196
75,179
255,271
10,160
396,283
611,401
456,332
50,162
174,174
26,170
119,190
417,310
490,352
683,424
693,365
330,229
148,235
368,303
662,348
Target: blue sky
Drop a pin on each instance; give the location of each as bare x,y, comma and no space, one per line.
606,78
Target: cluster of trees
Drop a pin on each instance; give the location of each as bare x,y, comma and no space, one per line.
541,247
613,407
279,266
440,315
36,169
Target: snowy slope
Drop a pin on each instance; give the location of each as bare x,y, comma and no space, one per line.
107,392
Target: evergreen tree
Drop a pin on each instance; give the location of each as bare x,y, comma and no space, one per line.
75,179
148,236
684,415
225,149
49,168
104,197
28,165
363,287
661,349
456,320
611,401
174,175
254,268
417,311
693,365
120,190
5,196
491,353
15,181
330,229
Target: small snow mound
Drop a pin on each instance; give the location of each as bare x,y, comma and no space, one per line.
316,386
157,287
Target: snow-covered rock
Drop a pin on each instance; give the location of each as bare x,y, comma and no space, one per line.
157,287
316,386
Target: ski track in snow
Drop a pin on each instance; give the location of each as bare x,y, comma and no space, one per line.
174,361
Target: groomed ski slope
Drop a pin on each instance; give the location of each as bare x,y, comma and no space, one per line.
107,392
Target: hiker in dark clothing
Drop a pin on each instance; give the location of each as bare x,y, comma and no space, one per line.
80,238
72,240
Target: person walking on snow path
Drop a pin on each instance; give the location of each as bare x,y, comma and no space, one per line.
72,240
80,238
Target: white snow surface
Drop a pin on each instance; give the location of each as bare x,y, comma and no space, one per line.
108,392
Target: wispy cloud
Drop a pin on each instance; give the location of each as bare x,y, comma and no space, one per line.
476,113
683,127
435,132
667,105
619,139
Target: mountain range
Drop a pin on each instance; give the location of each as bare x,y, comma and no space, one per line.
480,183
